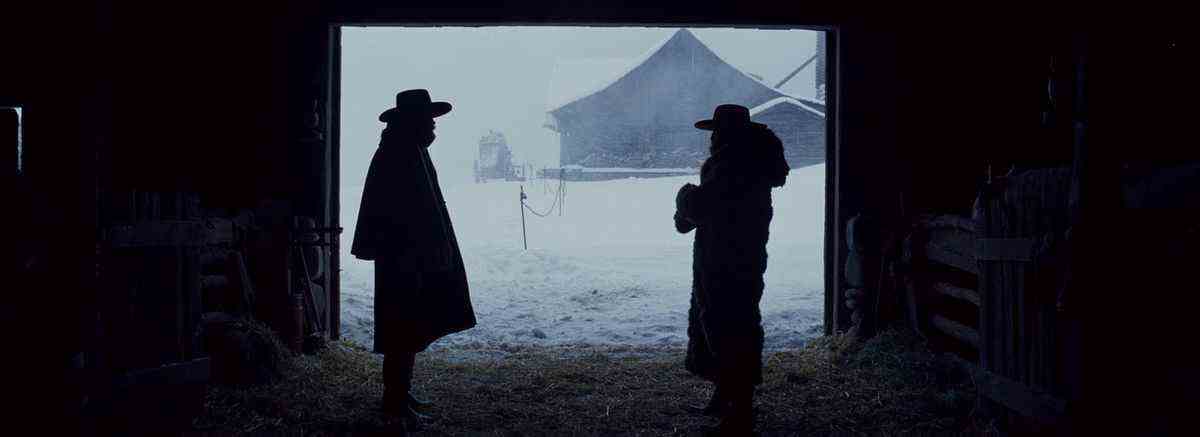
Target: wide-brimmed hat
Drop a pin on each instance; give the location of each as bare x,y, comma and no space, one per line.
414,103
728,116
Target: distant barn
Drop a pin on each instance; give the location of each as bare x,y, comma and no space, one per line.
799,124
639,114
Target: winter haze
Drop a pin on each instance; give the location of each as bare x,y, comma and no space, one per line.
611,269
498,78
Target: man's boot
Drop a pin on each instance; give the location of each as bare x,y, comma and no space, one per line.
738,418
397,385
412,400
716,404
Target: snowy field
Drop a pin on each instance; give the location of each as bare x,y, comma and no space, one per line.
610,271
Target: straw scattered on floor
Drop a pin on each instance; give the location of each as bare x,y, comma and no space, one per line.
887,385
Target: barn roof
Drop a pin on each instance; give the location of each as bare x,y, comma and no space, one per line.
574,80
785,101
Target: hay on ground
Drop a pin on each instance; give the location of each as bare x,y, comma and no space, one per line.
888,385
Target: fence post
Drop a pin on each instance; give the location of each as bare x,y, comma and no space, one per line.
524,239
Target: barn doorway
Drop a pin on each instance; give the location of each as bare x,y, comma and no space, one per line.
10,131
591,258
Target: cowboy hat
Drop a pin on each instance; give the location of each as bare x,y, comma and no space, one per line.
728,116
412,103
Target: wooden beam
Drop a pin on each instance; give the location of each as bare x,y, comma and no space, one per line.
952,254
797,70
956,330
158,233
1004,249
1020,398
214,281
198,370
213,257
959,293
945,221
222,231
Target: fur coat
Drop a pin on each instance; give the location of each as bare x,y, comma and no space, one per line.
731,213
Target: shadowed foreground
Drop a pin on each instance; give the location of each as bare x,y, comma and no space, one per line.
888,385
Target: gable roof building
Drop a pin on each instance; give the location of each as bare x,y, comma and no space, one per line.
639,113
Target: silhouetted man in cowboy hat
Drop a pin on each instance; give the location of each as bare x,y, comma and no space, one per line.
421,289
731,213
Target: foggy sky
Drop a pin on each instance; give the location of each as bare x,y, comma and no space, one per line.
496,78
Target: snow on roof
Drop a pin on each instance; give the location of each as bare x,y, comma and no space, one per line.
780,100
573,80
752,77
608,71
807,100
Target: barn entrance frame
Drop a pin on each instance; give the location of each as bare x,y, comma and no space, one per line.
834,215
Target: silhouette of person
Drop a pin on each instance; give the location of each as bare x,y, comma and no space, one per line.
421,291
731,213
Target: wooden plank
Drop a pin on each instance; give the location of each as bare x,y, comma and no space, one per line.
1020,311
240,279
213,258
221,231
1008,298
910,300
180,291
987,291
1004,249
214,281
946,221
959,293
192,302
158,233
1020,398
952,255
194,371
956,330
797,70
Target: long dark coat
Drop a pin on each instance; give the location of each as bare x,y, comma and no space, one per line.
731,212
421,291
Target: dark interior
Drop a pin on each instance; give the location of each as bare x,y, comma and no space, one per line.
214,99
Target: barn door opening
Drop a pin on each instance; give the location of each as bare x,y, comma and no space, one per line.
560,161
10,137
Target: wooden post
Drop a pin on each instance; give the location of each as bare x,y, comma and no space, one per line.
524,239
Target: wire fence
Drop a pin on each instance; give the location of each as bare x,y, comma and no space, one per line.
560,195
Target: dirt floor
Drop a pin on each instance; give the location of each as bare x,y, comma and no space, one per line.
889,385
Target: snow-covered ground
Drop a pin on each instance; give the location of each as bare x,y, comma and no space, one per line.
610,271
